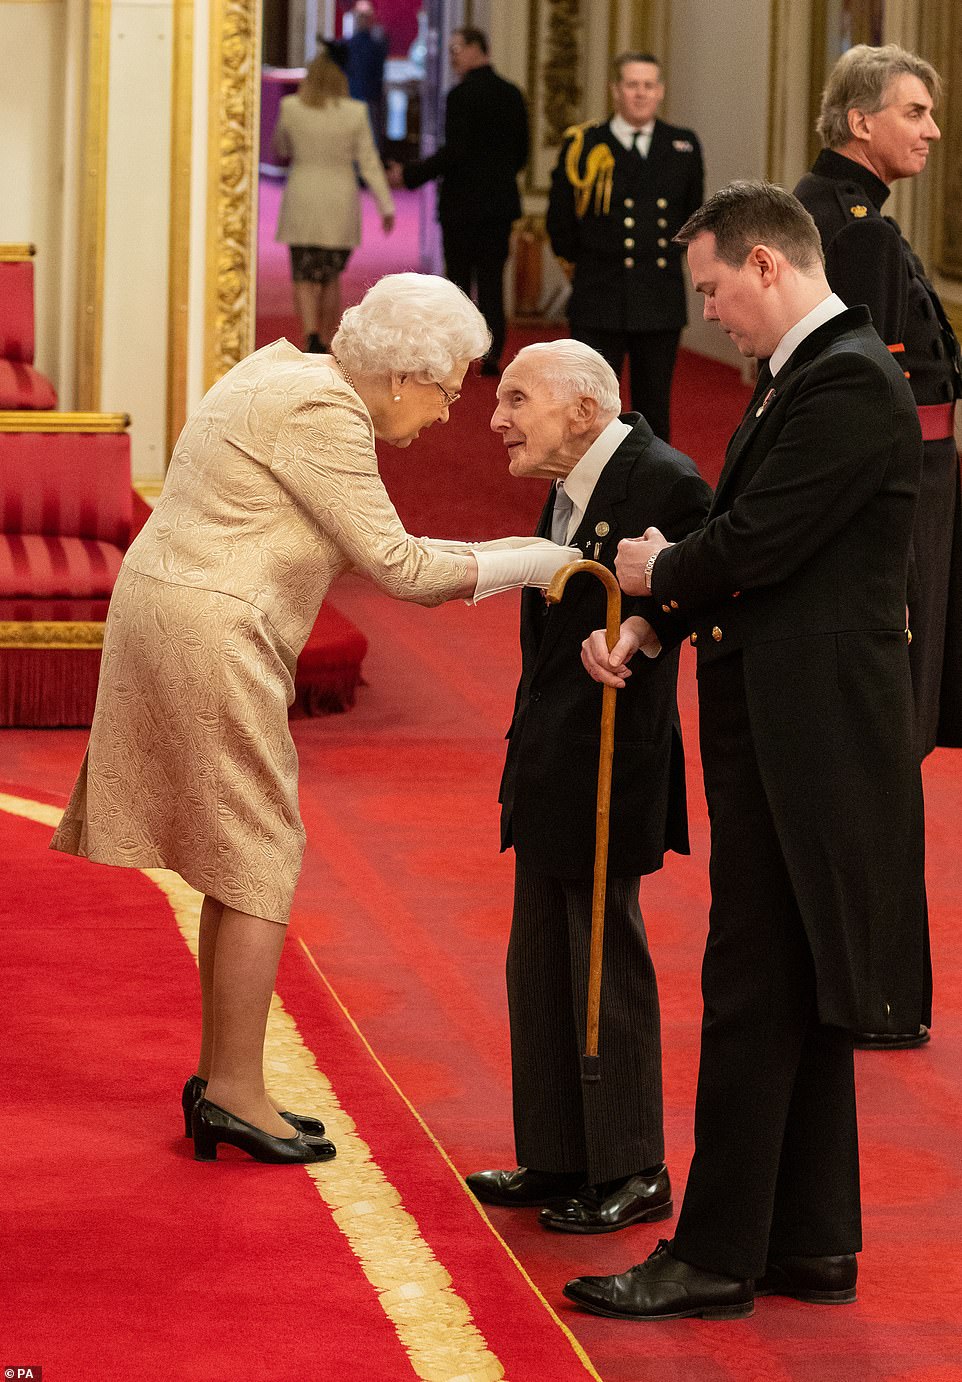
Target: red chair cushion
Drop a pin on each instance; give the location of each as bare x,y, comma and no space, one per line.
49,567
329,667
16,320
21,386
75,484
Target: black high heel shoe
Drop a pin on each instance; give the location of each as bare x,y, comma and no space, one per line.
194,1091
212,1124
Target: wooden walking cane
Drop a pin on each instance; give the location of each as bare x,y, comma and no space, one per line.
590,1061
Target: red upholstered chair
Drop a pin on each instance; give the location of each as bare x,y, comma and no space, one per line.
65,523
67,515
21,386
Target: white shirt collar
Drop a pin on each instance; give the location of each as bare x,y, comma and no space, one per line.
827,309
579,483
625,133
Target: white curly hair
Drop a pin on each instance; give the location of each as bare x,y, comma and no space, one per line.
571,369
411,324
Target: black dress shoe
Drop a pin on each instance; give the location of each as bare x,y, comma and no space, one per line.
601,1209
212,1125
892,1041
521,1188
819,1280
194,1091
664,1288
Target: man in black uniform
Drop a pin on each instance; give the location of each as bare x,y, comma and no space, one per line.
794,596
876,124
597,1148
620,191
485,147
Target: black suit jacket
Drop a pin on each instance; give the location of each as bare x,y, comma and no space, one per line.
485,147
627,273
868,260
801,569
549,787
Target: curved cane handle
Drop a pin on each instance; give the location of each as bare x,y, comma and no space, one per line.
594,568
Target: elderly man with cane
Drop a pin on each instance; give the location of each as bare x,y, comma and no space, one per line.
590,1151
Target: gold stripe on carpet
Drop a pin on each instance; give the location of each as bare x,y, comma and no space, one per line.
576,1346
432,1322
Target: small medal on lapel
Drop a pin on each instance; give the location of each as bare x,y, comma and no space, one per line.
765,402
602,530
859,211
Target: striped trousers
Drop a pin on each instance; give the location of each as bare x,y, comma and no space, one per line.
609,1128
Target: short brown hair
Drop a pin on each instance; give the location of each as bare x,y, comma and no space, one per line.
472,38
860,80
324,81
745,214
619,63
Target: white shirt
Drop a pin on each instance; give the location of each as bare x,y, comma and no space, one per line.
827,309
579,483
625,134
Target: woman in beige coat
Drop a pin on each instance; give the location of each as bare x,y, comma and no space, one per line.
325,134
272,491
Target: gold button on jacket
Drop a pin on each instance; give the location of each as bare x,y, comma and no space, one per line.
717,634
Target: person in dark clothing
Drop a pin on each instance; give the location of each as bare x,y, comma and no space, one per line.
485,147
621,189
877,124
365,53
793,594
597,1148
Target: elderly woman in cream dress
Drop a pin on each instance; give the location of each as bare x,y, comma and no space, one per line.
273,490
326,136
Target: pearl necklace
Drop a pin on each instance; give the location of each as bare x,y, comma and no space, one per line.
346,373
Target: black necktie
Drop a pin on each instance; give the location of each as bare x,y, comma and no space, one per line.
636,144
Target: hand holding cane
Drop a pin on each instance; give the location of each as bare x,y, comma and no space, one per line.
590,1061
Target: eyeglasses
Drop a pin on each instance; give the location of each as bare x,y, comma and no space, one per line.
449,398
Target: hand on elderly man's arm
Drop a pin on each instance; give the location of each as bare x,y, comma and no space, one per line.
611,668
636,559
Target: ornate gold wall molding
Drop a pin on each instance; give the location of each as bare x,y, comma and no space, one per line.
181,153
651,28
561,102
93,207
948,235
233,120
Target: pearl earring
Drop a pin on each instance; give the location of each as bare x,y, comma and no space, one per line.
397,398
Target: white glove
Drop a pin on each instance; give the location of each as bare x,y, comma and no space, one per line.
533,564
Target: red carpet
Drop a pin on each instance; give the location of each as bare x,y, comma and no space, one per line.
163,1267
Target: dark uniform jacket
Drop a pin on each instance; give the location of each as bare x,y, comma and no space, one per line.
549,787
613,213
801,569
485,147
868,260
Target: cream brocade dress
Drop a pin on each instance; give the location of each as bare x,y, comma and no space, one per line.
273,490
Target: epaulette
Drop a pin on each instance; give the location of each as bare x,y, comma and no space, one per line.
598,173
572,130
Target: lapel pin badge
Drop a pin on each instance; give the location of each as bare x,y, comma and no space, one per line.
765,402
602,529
